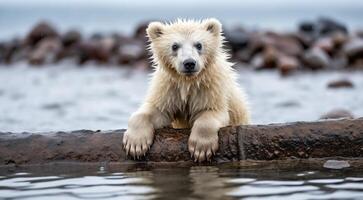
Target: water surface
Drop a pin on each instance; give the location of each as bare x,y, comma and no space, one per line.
67,97
271,181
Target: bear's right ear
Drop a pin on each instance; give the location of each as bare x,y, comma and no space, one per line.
154,30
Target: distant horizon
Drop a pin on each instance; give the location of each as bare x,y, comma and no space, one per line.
256,4
90,16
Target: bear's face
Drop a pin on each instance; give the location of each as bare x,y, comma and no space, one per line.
185,47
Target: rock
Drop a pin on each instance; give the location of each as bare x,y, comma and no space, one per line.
326,44
307,27
71,37
270,56
287,104
255,46
109,44
40,31
99,49
336,164
68,52
287,65
93,50
337,114
267,59
285,44
257,62
342,83
131,52
339,39
354,50
96,36
322,27
316,58
7,50
328,26
2,51
305,40
140,31
45,51
237,39
11,51
359,33
339,60
243,56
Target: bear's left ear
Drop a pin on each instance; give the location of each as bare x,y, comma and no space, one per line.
213,25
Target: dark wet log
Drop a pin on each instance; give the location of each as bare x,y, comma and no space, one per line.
343,138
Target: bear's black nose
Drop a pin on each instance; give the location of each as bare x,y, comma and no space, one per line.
189,64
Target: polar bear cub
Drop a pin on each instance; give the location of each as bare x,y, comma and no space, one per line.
193,86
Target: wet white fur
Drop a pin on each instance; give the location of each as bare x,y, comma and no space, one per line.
205,102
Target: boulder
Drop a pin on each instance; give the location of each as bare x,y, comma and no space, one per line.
316,58
140,31
326,44
3,50
339,39
305,40
131,52
267,59
109,44
322,27
337,114
92,50
285,44
354,50
237,39
40,31
327,26
45,51
307,27
287,65
71,38
7,50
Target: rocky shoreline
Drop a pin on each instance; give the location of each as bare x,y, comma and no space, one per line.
323,44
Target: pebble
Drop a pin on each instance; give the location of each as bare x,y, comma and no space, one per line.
342,83
336,164
338,114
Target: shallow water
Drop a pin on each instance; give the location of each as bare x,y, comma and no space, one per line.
66,97
173,182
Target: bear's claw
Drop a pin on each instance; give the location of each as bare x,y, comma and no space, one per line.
136,144
202,148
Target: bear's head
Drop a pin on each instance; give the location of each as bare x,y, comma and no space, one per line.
185,47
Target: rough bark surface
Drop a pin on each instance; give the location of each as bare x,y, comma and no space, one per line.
343,138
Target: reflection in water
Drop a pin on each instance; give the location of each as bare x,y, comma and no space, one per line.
207,183
200,182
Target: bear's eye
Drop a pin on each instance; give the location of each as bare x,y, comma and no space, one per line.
175,47
198,46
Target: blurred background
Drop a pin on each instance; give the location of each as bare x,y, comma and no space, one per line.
82,64
108,16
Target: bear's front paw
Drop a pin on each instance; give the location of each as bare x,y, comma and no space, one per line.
137,143
202,145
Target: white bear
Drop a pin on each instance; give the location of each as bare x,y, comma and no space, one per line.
193,86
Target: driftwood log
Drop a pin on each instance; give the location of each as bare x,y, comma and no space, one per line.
333,138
